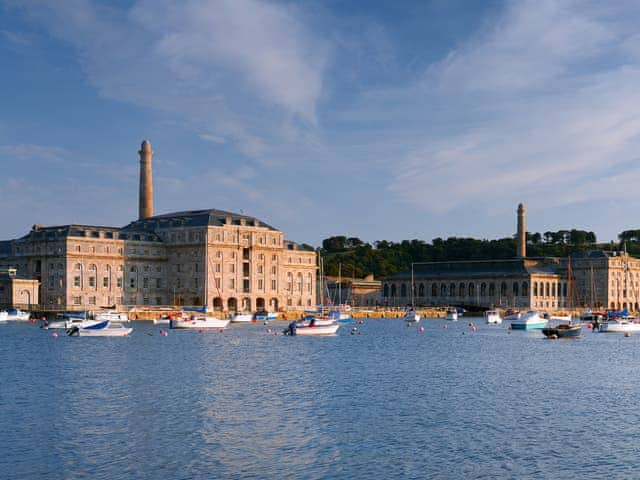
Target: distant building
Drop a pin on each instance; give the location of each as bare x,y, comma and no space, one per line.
593,279
223,260
357,292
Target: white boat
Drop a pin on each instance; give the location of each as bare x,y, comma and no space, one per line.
17,314
264,316
162,320
105,328
452,314
242,318
69,320
312,329
319,321
511,315
492,317
3,315
529,321
110,315
411,316
626,324
198,323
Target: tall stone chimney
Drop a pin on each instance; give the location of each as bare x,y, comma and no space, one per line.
146,181
522,233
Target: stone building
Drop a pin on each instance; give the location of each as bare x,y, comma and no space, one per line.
214,258
593,279
357,292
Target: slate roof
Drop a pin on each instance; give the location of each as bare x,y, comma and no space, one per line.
193,218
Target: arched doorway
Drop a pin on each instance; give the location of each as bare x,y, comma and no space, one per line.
260,303
217,303
232,304
273,304
246,304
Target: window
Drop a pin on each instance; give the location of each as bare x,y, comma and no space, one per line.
52,282
260,284
145,282
232,283
218,283
217,269
105,282
158,283
76,281
273,270
232,268
92,300
260,268
119,282
273,284
92,282
77,300
132,282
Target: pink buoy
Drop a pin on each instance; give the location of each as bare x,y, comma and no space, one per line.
268,330
473,328
445,326
420,329
54,335
589,326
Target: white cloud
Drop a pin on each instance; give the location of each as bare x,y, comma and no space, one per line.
31,152
235,69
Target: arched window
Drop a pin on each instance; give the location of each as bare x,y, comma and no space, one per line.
393,290
452,289
403,290
525,289
564,290
547,289
434,290
472,289
535,289
421,290
461,290
386,291
443,290
553,289
516,289
492,289
503,289
483,289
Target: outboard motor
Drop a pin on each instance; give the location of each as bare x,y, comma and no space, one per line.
73,331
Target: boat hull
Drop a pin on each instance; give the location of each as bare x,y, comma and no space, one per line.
528,326
242,318
320,330
198,323
562,331
615,327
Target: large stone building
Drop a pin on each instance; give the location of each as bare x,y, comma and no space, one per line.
592,279
222,260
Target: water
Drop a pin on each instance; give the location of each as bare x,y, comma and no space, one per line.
389,403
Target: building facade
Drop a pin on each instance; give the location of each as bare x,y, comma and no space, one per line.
593,279
218,259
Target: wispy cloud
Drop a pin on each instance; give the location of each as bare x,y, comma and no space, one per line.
236,69
26,151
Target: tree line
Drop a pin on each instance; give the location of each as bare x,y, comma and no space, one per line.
357,258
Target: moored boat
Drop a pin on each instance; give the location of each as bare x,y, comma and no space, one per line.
492,317
311,328
105,328
3,316
511,315
563,331
625,324
242,318
14,314
529,321
452,314
265,316
411,315
70,319
198,322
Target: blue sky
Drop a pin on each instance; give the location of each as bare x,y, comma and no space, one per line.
376,119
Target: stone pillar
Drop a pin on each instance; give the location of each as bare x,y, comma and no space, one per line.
146,182
522,233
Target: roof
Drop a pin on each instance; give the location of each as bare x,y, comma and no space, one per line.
195,218
477,268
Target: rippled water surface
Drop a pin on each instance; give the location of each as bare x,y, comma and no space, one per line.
390,402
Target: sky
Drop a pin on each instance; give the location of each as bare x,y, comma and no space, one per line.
372,119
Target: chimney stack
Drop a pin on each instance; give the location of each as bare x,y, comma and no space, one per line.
146,181
522,233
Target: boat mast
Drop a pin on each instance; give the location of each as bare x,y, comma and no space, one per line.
339,283
412,284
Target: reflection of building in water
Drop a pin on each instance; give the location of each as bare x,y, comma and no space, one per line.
357,292
201,257
598,279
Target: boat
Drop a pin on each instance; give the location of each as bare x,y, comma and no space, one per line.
3,315
619,324
162,320
563,331
110,315
105,328
511,315
589,316
198,322
265,316
17,314
411,315
452,314
492,317
70,319
242,318
295,328
531,320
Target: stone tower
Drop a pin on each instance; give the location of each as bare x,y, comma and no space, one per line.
146,181
522,233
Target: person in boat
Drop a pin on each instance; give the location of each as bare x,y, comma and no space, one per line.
291,329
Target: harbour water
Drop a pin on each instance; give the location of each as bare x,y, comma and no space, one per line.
390,402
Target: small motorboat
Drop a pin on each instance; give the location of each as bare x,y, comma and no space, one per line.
564,330
198,322
529,321
452,314
3,315
264,316
492,317
511,315
68,320
102,329
241,318
311,328
14,314
411,315
626,324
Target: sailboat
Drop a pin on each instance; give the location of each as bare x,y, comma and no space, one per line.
340,313
411,315
565,330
